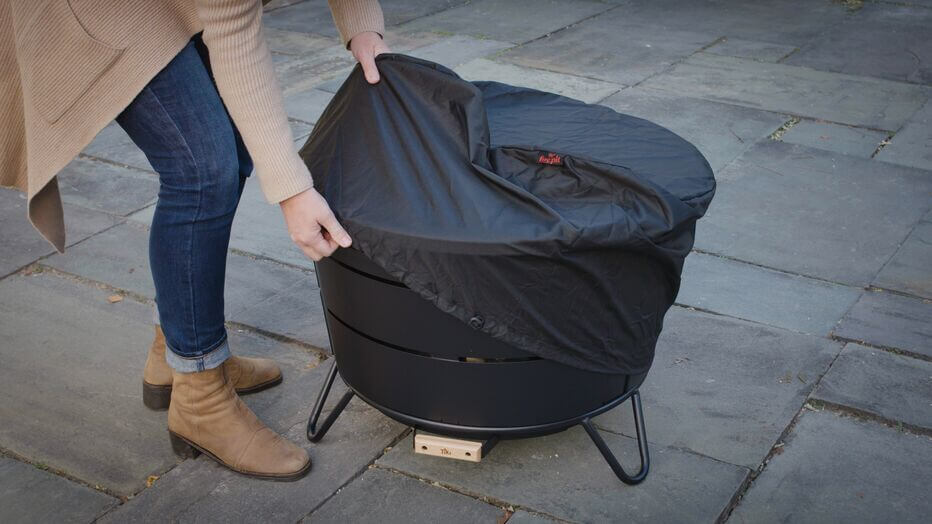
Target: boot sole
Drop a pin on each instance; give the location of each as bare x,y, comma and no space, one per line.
158,398
184,448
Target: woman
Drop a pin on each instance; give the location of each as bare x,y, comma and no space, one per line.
191,82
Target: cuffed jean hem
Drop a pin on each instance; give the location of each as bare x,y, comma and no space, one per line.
209,360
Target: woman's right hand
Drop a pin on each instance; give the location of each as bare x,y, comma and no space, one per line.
312,225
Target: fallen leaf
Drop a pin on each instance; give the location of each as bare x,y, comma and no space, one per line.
151,480
113,299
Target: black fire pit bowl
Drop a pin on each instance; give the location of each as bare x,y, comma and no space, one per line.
426,369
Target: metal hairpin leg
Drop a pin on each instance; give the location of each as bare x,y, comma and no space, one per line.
314,433
642,444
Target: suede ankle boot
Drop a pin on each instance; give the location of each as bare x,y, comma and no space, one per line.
248,375
207,416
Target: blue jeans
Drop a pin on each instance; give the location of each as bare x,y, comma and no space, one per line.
180,123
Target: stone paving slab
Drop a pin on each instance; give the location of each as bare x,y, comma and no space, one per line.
313,16
70,382
908,271
296,313
307,105
788,22
725,388
721,132
612,46
853,141
458,49
585,89
28,494
294,42
201,490
836,97
890,320
524,517
840,469
23,244
755,50
912,145
380,496
106,187
113,144
885,384
514,21
897,37
762,295
564,475
825,214
297,73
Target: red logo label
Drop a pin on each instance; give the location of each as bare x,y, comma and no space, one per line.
550,158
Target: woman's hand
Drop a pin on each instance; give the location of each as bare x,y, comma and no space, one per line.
312,225
365,47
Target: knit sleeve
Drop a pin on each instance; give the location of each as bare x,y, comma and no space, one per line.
242,68
356,16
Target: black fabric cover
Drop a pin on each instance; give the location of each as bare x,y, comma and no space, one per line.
556,226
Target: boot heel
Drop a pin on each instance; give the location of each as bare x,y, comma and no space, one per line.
156,397
182,448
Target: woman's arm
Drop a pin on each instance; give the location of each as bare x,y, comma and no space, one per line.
242,68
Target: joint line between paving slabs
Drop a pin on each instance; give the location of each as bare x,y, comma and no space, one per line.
52,470
564,28
778,270
778,446
493,501
888,349
266,258
680,61
320,353
86,156
841,409
359,473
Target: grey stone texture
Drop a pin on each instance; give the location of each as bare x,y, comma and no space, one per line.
380,496
803,225
21,242
755,50
28,494
114,145
763,295
70,380
898,38
839,469
458,49
722,132
891,386
853,141
514,21
314,17
307,105
105,187
613,47
564,476
908,270
585,89
524,517
724,388
890,320
845,99
912,145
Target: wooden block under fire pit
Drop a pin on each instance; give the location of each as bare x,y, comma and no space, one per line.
469,450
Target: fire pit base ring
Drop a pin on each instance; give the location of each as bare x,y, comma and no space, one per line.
447,377
315,433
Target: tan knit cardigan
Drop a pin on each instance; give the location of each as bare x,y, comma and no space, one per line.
67,68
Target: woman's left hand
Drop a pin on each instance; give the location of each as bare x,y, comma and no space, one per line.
365,47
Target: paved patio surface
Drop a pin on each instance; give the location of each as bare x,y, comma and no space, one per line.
792,383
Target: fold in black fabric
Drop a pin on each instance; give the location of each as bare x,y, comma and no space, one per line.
556,226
